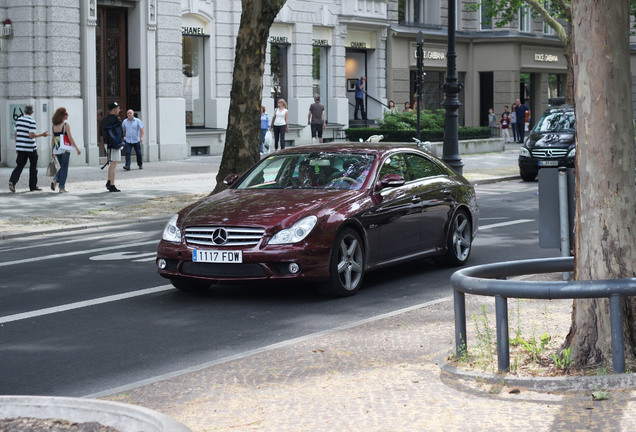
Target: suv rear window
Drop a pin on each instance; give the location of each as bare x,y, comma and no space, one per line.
556,121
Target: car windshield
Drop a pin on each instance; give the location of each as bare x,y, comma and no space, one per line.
557,121
309,171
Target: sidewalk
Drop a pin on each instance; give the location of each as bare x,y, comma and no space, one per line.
158,191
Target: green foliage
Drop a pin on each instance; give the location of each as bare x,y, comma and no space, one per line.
533,345
563,360
408,120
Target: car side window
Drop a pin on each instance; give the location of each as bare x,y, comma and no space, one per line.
394,164
420,167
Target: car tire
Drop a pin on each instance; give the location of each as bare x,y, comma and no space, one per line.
528,176
190,285
346,265
460,240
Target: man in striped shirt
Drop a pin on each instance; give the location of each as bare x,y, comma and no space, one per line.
27,149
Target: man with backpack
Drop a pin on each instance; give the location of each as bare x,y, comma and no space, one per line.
113,137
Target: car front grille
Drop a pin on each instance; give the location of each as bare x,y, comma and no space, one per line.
549,153
245,270
223,236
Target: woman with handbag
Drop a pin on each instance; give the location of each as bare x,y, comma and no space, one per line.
61,145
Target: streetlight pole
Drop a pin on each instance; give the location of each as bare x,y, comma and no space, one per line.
451,102
418,81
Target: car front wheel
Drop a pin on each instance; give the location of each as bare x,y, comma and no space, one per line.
459,241
346,266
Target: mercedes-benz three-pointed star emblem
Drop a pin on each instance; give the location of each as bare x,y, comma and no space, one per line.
219,236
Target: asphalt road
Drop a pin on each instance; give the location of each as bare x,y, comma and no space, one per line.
85,313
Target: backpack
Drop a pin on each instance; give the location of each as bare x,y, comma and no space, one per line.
115,136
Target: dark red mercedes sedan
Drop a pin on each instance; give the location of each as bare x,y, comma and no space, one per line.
322,213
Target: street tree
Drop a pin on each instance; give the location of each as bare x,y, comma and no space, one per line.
605,227
243,131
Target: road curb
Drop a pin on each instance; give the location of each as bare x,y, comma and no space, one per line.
543,384
123,417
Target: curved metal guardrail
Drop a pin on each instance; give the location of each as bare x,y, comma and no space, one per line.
491,280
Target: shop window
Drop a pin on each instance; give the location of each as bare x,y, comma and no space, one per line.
420,13
278,71
525,20
194,80
320,73
556,85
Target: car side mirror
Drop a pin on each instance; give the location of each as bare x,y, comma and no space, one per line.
390,180
230,179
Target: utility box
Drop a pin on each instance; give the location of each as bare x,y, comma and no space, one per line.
549,215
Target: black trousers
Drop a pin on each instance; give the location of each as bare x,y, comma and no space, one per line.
359,104
21,160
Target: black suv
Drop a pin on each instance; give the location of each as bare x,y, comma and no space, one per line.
550,144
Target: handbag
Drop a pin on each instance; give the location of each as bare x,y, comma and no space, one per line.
65,143
53,167
269,141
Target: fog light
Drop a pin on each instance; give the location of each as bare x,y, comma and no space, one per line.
162,264
294,268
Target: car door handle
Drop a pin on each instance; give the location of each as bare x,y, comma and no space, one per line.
416,200
447,191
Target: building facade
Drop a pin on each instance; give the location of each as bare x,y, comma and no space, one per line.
496,66
171,61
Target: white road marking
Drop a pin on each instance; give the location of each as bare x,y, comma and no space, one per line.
502,224
75,253
47,241
114,256
82,304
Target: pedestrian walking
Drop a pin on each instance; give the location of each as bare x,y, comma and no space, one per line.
26,149
360,92
316,119
521,110
134,138
513,124
62,143
111,131
264,125
280,123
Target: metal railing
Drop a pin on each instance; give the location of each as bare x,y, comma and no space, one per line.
490,280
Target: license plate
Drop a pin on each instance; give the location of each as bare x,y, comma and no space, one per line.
222,257
548,163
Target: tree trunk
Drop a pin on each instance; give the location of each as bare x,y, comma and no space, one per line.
605,195
243,131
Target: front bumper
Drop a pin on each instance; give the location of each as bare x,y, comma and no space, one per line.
533,164
270,263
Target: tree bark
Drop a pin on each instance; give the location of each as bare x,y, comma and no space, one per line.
605,227
241,149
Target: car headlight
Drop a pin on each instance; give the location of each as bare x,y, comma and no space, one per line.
572,153
524,152
296,232
171,232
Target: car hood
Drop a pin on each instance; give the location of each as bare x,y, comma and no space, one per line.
551,139
267,208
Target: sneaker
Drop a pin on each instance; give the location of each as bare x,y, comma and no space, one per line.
53,184
127,168
35,189
62,190
108,185
141,167
11,187
112,188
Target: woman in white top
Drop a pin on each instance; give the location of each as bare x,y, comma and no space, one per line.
280,123
61,148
